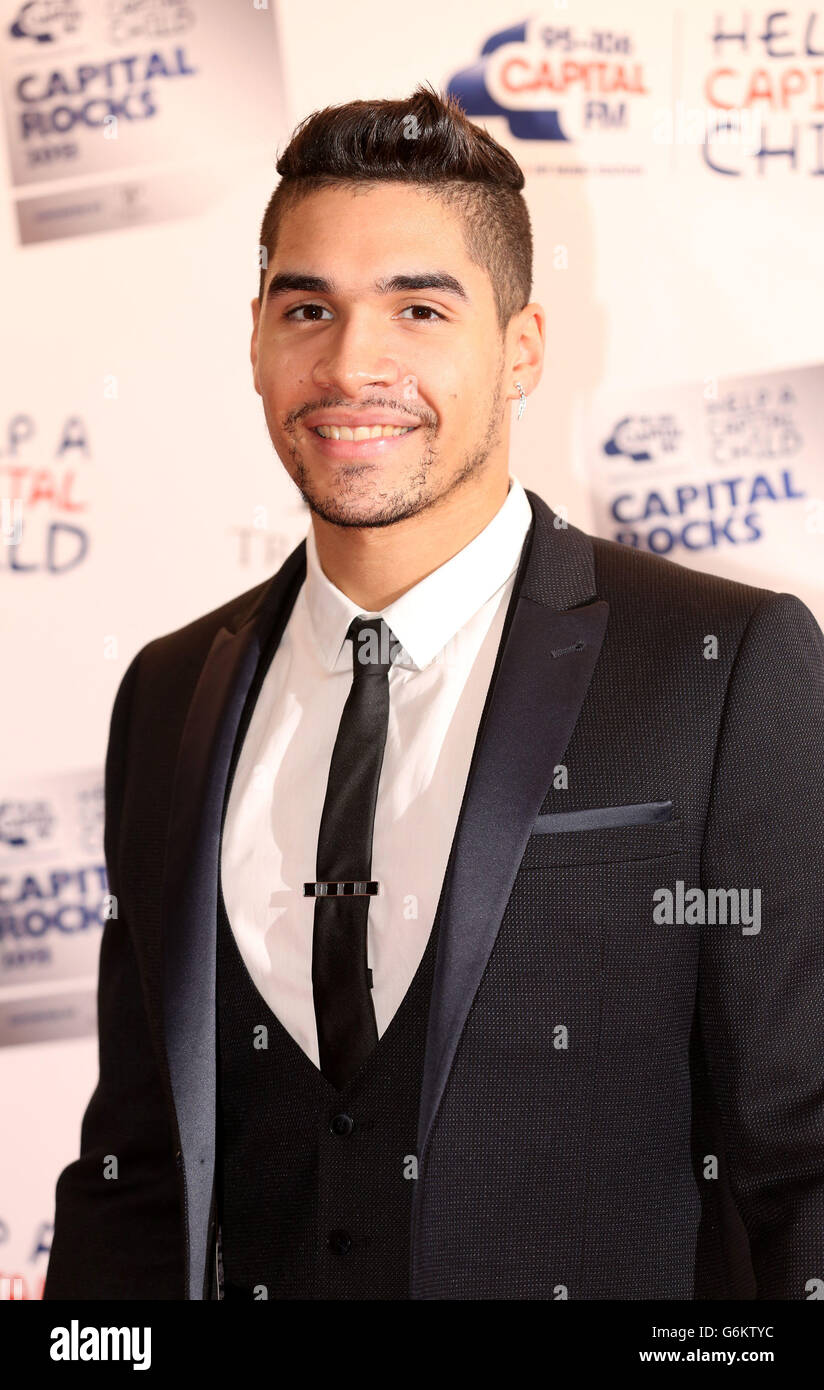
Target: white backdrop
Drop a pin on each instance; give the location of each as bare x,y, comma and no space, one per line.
129,415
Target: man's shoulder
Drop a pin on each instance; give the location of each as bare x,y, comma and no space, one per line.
655,602
640,583
198,633
639,579
185,648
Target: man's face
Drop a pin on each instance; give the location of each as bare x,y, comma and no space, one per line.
342,352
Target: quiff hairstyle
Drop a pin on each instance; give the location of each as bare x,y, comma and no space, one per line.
424,139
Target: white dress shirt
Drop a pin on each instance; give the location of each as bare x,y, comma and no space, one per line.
449,625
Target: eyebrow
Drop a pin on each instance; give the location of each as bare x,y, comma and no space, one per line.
288,280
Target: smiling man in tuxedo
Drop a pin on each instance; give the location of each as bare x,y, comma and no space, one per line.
387,1011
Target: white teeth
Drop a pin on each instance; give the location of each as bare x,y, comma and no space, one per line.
363,431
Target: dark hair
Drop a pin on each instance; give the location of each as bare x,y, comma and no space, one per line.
423,139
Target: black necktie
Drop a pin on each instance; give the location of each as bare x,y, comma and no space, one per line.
341,982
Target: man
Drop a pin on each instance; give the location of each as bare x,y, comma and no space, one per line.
417,988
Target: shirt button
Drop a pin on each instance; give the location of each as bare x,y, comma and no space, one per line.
340,1242
342,1124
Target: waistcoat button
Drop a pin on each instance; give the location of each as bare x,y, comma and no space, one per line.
340,1241
342,1124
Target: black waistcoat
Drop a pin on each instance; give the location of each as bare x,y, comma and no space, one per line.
314,1184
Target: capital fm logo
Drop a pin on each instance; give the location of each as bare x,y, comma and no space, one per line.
24,824
643,438
45,21
553,82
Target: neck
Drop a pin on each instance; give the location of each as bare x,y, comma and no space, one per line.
374,565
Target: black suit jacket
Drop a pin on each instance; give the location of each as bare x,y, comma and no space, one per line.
611,1107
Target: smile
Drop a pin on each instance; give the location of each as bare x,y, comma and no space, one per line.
362,431
359,444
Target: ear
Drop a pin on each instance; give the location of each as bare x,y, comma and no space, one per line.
254,348
527,351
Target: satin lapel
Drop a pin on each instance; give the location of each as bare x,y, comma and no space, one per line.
189,911
545,662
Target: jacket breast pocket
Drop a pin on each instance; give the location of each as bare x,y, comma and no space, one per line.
601,834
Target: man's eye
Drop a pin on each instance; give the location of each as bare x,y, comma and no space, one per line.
300,307
427,308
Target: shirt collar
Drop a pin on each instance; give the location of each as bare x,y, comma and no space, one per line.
429,614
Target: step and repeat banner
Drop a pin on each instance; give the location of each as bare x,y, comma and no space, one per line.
674,157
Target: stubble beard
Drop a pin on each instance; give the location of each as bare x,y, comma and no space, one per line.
344,504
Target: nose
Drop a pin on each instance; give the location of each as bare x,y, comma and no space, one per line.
353,357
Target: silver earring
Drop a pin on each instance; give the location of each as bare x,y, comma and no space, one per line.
522,402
